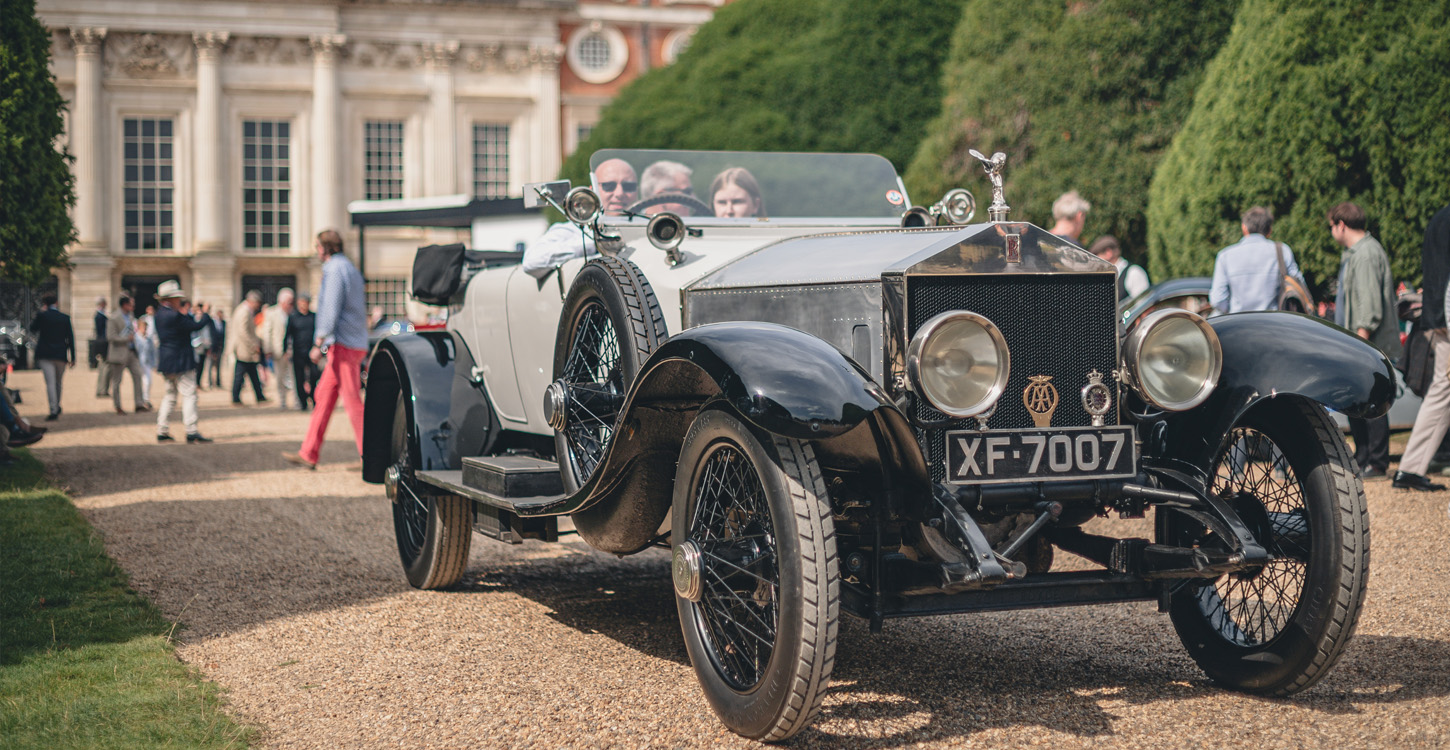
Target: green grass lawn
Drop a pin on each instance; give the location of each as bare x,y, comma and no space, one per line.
84,660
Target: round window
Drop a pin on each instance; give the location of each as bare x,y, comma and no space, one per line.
594,52
676,44
597,53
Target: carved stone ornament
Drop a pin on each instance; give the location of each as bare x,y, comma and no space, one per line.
328,46
209,44
268,50
146,55
87,40
439,55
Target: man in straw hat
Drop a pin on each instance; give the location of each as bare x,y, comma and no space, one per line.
176,361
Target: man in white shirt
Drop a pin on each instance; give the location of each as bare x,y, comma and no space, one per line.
1132,279
618,188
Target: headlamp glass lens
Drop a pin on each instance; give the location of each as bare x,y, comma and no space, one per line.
1176,361
960,364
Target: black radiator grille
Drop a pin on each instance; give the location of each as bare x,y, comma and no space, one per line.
1060,325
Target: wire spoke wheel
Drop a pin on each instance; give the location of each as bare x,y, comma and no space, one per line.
1250,608
732,526
757,581
594,366
433,531
610,324
1278,628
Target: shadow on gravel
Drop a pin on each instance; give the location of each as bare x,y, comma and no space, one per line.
629,600
899,688
225,569
89,470
930,679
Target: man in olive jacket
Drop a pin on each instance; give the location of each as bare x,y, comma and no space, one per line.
1365,304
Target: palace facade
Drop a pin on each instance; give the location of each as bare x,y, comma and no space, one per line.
214,138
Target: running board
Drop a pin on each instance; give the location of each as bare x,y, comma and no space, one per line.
510,519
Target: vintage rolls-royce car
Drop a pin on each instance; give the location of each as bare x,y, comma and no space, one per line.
824,399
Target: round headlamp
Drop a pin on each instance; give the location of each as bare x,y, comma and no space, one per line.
958,361
582,205
959,206
1173,359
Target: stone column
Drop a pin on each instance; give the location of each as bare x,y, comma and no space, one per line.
326,134
440,148
90,275
549,108
85,139
210,189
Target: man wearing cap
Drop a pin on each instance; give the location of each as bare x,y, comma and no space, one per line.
176,362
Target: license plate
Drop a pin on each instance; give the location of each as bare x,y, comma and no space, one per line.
1043,455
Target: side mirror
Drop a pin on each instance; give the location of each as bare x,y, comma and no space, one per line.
540,194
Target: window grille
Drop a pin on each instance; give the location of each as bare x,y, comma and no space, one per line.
595,52
490,160
389,293
148,165
266,185
383,159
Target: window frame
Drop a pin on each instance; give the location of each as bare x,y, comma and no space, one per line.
175,184
290,185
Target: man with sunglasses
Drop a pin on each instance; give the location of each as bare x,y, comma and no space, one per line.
618,188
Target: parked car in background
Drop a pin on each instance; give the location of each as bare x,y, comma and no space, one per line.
15,343
1191,293
841,403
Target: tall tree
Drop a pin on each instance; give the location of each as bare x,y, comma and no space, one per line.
35,178
1082,95
790,75
1310,103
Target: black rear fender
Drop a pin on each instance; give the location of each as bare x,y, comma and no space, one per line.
420,366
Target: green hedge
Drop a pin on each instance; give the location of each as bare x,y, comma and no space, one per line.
1309,104
790,75
1083,95
35,178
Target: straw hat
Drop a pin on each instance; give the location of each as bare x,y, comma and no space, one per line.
169,290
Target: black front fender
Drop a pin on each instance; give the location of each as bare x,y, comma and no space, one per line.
1271,355
780,380
420,366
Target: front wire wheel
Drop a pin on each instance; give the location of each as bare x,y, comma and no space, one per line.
611,323
1277,629
761,624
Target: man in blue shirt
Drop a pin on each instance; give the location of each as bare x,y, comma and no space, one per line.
342,335
1246,274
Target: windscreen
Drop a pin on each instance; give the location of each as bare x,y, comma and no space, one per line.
743,185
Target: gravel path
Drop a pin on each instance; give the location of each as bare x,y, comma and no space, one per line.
291,595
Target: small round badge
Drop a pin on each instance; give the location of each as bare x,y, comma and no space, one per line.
895,198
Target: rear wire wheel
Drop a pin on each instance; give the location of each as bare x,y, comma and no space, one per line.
611,323
760,623
434,531
1279,628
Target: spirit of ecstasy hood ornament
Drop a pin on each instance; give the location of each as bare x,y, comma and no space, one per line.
999,208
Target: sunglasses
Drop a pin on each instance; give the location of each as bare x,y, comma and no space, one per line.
608,187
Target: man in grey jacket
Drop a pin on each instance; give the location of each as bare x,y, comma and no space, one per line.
1365,304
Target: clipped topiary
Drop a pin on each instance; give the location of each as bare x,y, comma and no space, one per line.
789,75
1080,95
1309,104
